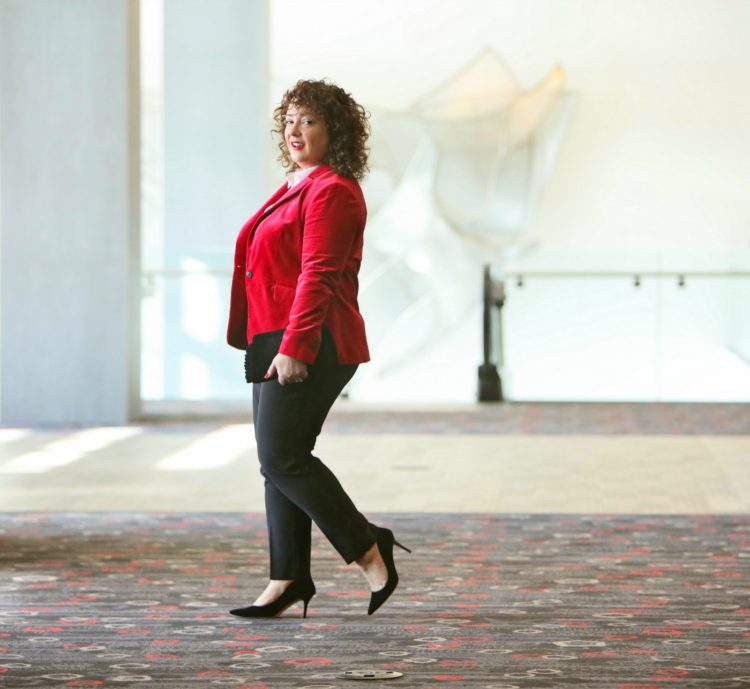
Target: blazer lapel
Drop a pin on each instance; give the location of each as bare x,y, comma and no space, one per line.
293,191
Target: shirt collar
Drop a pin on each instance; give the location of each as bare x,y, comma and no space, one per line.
298,175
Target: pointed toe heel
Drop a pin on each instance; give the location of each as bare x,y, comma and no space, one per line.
295,592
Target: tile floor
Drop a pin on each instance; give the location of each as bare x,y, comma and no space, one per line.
211,466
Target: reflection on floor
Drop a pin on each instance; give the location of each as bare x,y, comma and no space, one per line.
585,458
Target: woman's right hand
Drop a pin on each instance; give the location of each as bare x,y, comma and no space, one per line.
290,370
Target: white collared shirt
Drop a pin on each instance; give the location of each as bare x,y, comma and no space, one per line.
299,175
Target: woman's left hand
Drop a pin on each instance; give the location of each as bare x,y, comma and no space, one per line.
290,370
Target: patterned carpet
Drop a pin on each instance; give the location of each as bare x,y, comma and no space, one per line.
486,601
600,418
555,418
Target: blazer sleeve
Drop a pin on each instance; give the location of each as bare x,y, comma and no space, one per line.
332,219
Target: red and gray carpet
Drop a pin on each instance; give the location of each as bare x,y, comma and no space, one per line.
491,602
508,418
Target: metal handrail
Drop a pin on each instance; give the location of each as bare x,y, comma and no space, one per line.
520,273
178,271
626,273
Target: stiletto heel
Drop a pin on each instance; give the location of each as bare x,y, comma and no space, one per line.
385,541
400,545
302,590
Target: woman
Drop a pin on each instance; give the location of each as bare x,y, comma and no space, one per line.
296,265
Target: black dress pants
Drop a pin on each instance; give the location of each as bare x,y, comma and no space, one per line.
299,488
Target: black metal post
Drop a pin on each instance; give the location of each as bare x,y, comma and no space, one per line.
490,385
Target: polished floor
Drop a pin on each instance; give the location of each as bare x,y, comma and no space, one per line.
630,459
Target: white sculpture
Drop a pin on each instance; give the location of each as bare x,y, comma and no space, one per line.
455,179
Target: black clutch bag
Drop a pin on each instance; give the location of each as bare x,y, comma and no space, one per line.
260,353
265,346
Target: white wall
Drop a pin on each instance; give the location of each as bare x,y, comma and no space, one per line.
654,174
658,154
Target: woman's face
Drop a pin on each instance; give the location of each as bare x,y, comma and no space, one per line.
306,136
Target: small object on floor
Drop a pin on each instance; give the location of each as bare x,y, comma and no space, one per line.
370,674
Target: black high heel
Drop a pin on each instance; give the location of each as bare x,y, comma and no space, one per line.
385,541
302,590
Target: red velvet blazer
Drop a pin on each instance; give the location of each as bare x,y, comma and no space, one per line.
295,267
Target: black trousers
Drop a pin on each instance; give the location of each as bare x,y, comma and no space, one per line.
299,488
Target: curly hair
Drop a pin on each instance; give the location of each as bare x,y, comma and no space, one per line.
346,123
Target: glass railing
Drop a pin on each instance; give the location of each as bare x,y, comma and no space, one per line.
649,334
619,334
184,354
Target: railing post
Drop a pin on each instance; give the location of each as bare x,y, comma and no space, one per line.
490,385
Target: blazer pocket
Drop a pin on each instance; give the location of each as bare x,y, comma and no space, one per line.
283,295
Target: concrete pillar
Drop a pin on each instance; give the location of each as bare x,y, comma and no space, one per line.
69,211
217,121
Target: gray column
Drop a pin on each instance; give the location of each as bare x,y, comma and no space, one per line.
217,124
69,211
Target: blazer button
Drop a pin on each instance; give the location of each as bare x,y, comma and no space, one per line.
249,273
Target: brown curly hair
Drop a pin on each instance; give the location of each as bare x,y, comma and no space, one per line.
346,122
